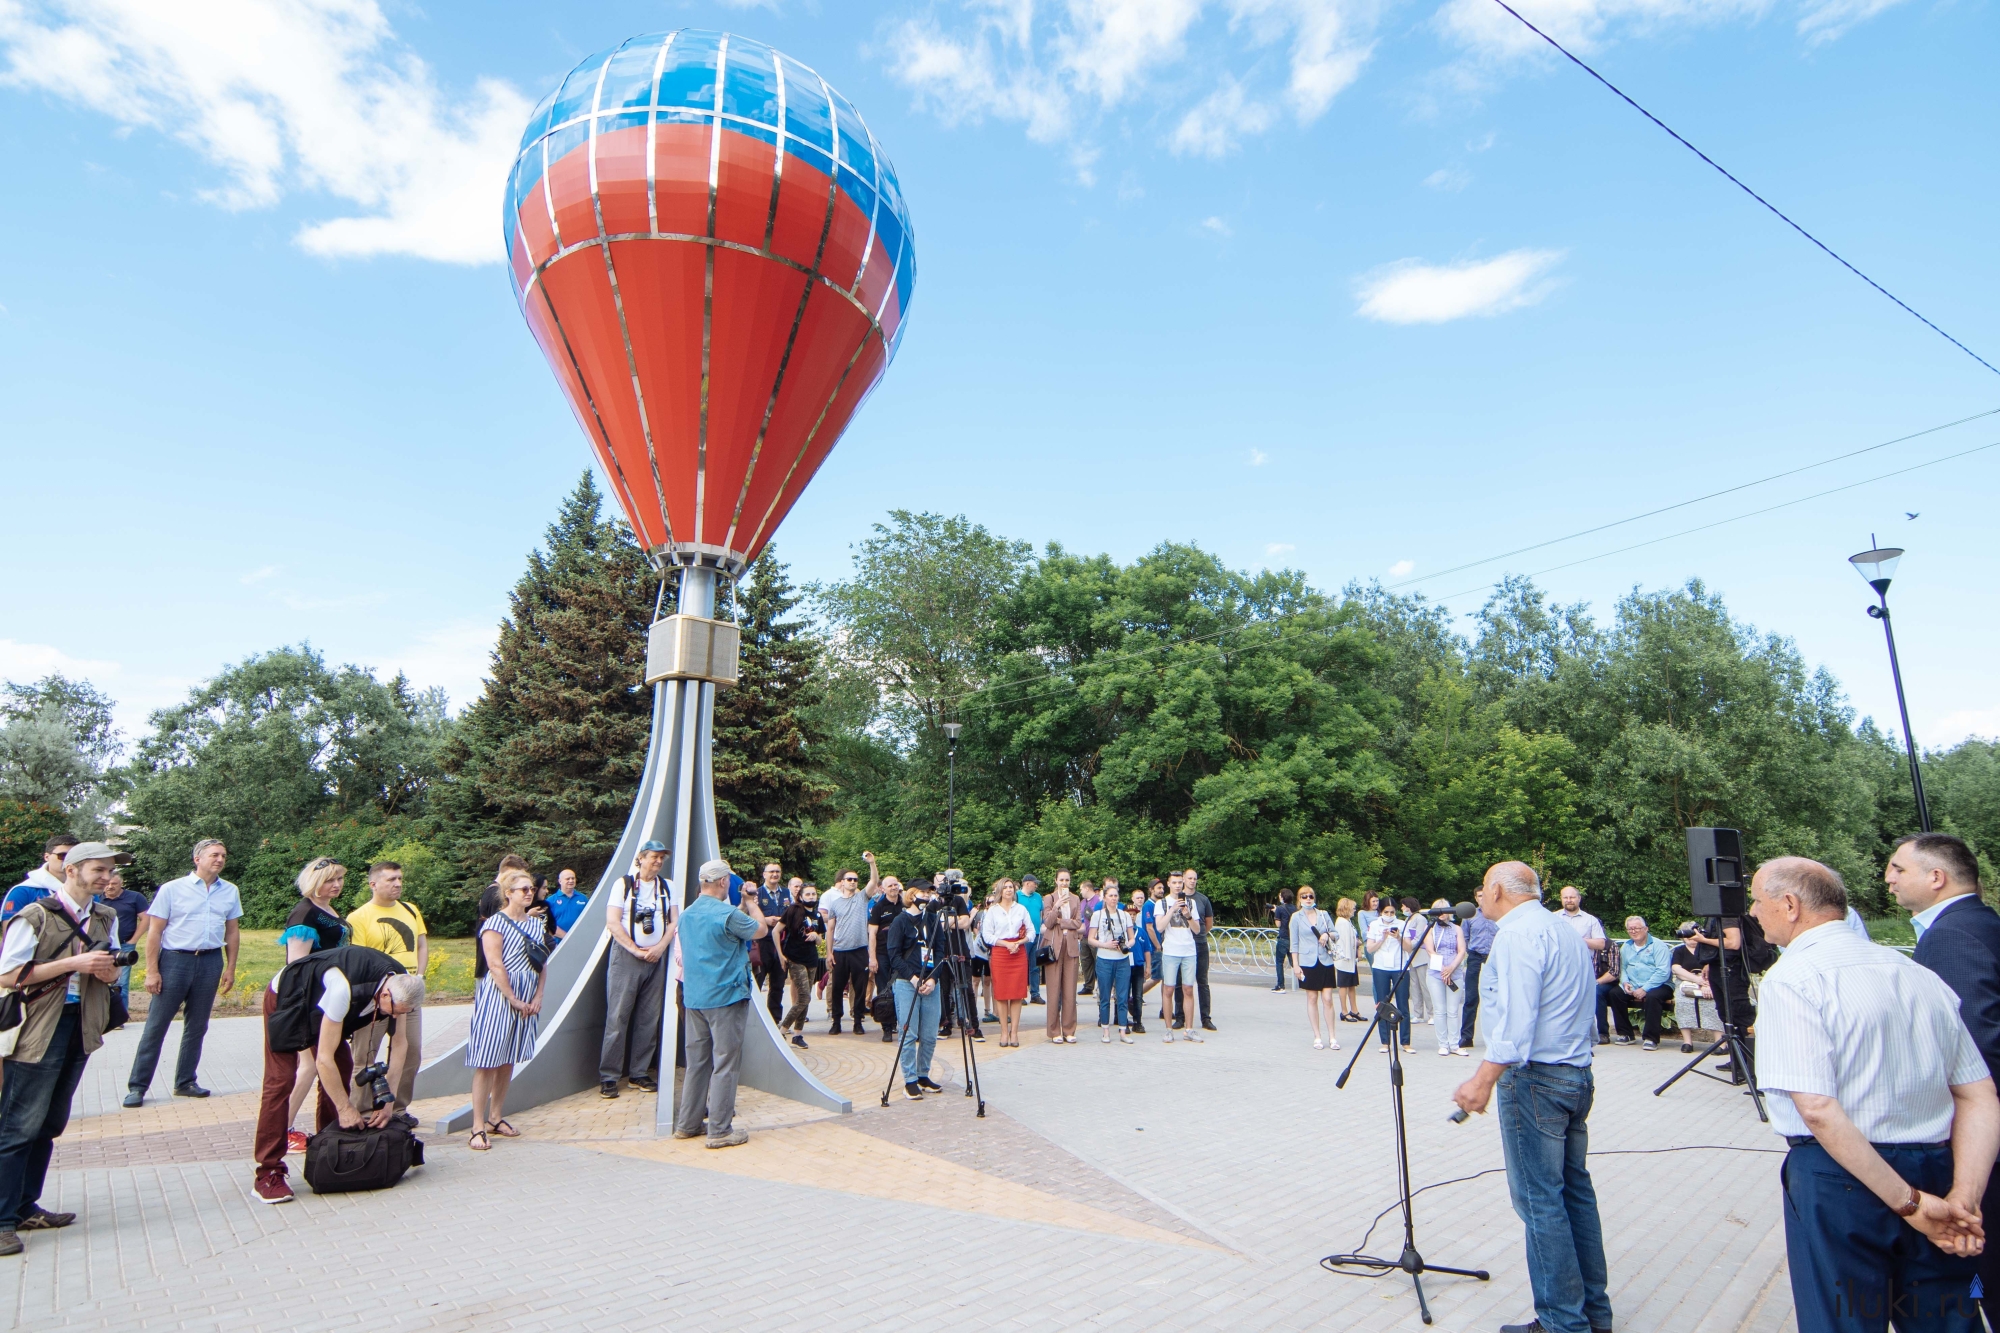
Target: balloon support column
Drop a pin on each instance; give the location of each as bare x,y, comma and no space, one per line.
688,656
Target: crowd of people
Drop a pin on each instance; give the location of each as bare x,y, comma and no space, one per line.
1876,1065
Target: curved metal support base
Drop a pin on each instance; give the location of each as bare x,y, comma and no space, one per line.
675,805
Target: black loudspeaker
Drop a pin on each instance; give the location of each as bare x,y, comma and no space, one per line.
1715,872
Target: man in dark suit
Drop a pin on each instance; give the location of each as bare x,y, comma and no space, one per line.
1935,877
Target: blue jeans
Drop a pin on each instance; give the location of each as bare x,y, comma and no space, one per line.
1034,976
1855,1263
1542,1114
919,1041
34,1111
1114,975
1386,979
185,979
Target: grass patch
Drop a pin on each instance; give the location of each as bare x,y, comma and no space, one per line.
449,976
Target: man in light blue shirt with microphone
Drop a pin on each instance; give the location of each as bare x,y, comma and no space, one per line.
1538,994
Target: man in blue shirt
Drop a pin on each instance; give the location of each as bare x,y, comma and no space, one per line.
1029,895
1539,989
1645,978
1478,945
191,941
566,904
715,988
43,880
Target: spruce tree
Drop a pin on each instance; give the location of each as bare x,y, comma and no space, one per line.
770,790
548,761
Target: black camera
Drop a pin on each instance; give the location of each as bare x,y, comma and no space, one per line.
643,918
374,1079
121,957
1687,931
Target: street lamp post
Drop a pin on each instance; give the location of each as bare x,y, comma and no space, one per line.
1876,567
951,730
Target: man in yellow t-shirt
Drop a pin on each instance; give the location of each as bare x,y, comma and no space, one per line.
396,928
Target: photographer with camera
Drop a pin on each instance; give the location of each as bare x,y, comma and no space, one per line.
60,956
917,949
715,982
641,920
316,1004
1734,952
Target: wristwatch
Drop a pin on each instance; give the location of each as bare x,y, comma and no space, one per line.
1909,1208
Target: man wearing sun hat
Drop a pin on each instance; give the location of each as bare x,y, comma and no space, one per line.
53,953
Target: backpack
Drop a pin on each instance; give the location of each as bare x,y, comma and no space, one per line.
339,1161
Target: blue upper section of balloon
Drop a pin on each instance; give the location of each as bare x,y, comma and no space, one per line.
692,76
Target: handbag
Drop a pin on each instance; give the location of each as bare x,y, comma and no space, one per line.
538,953
341,1161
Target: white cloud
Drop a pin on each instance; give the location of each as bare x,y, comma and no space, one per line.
1211,129
1083,160
1275,549
1492,33
1401,567
1983,723
1258,458
455,656
259,575
289,96
26,662
1412,292
1053,64
1217,227
1451,179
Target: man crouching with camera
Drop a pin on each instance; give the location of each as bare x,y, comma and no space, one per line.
60,955
316,1004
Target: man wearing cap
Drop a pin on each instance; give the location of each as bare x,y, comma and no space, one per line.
42,881
716,988
191,940
55,953
641,918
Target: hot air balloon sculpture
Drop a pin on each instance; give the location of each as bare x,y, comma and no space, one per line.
715,258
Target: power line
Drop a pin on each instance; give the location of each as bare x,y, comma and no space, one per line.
1683,504
1775,211
1687,532
991,693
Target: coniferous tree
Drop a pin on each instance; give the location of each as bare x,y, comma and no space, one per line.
548,760
769,758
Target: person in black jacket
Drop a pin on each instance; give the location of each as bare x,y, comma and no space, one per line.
916,952
1936,878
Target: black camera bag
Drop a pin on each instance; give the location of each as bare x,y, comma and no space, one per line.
339,1161
882,1008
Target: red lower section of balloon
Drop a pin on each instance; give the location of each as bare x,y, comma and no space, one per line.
712,370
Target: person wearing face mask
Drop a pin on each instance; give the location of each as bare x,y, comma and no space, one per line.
916,951
798,945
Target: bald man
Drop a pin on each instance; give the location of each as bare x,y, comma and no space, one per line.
1538,993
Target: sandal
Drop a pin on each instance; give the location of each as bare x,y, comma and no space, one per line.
504,1130
479,1142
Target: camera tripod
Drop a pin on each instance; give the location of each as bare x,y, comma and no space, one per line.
958,996
1738,1046
1388,1017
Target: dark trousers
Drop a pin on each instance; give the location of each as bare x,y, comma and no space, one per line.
774,986
1473,962
1855,1265
1200,985
186,979
274,1109
34,1111
1989,1261
1655,1000
850,972
1608,996
1281,955
1392,985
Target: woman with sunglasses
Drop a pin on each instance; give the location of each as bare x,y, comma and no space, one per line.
1311,947
506,1006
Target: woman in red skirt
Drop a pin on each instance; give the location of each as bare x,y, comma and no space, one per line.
1009,933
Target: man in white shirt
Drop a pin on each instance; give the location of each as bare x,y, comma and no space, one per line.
641,918
1179,919
1588,928
1888,1108
191,941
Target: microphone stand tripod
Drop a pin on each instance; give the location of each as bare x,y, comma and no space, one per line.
1387,1019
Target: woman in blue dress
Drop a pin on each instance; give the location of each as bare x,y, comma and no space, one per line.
512,948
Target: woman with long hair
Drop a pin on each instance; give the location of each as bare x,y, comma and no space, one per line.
1346,960
1009,934
1062,934
506,1006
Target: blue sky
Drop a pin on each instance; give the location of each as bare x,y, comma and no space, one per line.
1367,289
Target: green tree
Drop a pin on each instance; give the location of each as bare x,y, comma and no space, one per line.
24,827
57,745
547,761
770,788
273,745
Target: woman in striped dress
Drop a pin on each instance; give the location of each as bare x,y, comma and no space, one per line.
505,1008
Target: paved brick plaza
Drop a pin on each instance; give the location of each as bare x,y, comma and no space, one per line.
1146,1186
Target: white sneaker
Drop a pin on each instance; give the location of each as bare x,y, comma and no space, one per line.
1126,1036
1333,1043
1444,1050
1106,1038
1318,1045
1170,1036
1192,1035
